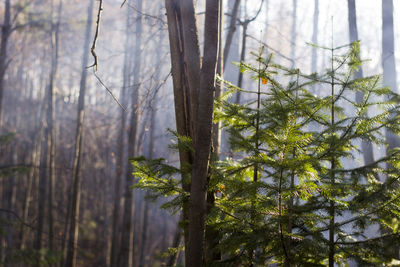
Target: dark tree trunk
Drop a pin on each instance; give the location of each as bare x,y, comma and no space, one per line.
76,181
115,235
183,115
294,34
231,31
5,33
388,60
125,258
315,37
366,147
203,136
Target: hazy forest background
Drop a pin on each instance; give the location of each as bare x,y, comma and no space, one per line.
70,122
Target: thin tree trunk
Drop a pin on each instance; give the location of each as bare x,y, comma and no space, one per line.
50,124
231,31
125,258
388,60
173,258
5,33
191,57
203,136
76,182
366,147
315,37
242,59
212,234
294,34
183,115
115,235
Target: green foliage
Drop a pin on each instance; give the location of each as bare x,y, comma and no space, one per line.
296,173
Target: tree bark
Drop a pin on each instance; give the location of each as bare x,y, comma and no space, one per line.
5,33
192,60
125,258
231,31
315,37
115,235
388,60
203,136
294,34
50,124
183,115
242,59
76,181
366,147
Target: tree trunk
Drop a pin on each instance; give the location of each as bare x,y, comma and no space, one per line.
203,136
294,34
315,37
183,115
388,60
191,57
76,182
231,31
173,258
242,59
125,258
5,33
50,124
115,235
366,147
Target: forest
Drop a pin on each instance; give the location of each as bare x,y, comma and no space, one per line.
199,133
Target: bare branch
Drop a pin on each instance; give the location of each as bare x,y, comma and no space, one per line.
96,36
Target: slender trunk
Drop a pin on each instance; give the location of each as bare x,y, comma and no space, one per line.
31,175
231,31
294,34
183,115
115,235
146,204
192,61
203,136
331,202
212,234
173,258
76,182
50,124
388,60
315,37
125,258
366,147
242,59
5,33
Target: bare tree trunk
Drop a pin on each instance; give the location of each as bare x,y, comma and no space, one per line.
183,115
5,33
366,147
47,165
76,182
315,37
125,258
173,258
212,235
35,161
294,34
153,107
388,60
50,124
191,57
115,235
242,59
231,31
203,136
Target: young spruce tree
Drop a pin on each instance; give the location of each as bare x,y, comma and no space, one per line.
295,192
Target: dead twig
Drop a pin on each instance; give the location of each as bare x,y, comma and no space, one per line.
93,51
